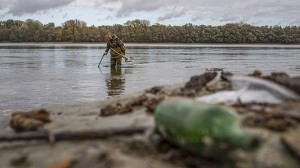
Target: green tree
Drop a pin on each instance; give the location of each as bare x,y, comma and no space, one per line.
142,31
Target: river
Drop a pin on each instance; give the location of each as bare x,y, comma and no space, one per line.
41,75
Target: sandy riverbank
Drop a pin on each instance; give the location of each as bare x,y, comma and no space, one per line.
265,121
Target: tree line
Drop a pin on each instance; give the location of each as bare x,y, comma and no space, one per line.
141,31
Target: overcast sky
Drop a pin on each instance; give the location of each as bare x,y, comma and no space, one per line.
173,12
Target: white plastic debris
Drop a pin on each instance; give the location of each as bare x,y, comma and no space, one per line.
250,89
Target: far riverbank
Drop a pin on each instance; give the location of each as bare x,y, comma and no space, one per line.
170,43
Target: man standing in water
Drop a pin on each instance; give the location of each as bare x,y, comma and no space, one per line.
117,50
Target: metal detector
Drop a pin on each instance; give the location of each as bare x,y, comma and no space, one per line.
100,61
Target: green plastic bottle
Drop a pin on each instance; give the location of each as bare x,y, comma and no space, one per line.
200,128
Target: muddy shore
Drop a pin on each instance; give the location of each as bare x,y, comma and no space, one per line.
277,127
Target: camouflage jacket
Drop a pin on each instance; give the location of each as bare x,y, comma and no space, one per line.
117,45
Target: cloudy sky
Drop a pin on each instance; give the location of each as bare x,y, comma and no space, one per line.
173,12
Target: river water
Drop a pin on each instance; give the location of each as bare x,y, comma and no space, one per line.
41,75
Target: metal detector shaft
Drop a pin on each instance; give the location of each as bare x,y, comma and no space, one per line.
100,61
127,59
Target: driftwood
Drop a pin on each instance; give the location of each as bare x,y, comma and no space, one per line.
73,135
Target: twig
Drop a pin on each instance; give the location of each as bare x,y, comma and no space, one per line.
73,135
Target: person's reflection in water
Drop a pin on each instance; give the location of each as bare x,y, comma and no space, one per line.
115,83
